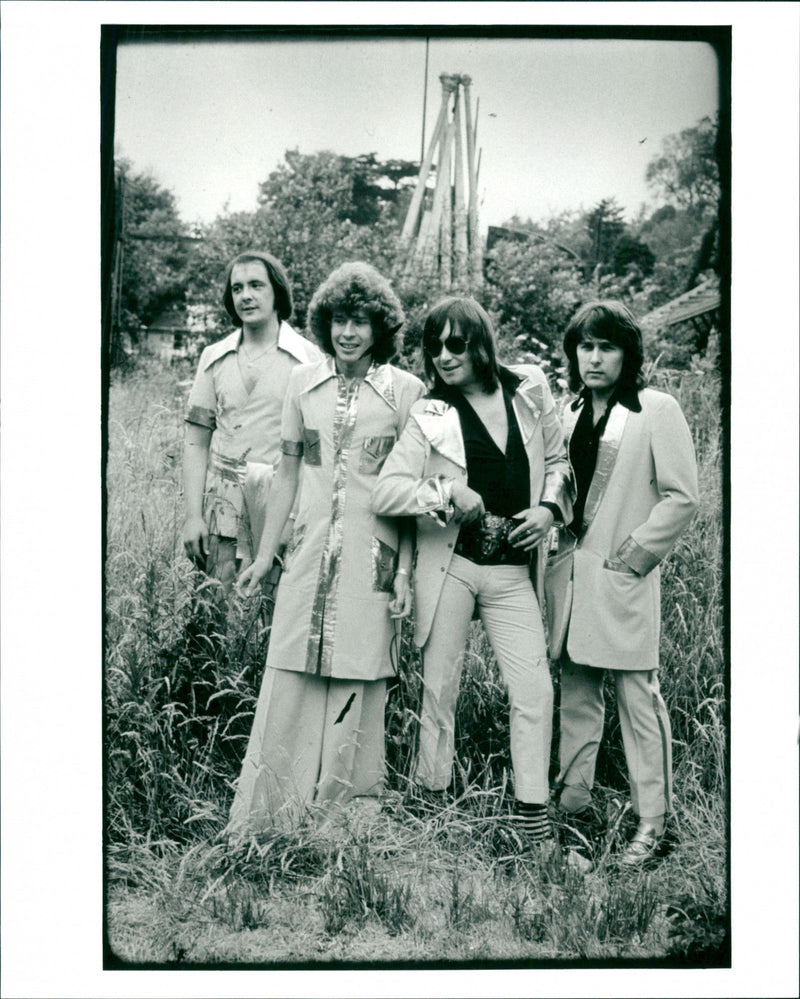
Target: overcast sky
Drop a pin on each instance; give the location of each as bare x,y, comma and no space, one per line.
562,123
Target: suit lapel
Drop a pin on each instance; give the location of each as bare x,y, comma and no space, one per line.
606,459
441,428
528,401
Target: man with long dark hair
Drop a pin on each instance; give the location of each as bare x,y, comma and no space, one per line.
482,467
636,491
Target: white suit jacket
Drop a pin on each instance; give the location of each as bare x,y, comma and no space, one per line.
418,477
603,589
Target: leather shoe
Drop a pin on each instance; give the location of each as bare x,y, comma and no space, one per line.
642,847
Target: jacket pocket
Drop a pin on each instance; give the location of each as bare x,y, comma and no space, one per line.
311,447
617,565
384,560
374,453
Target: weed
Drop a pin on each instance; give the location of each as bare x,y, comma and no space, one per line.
355,890
181,685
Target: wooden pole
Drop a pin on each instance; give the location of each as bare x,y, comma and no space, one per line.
462,224
424,103
446,226
410,224
430,248
475,250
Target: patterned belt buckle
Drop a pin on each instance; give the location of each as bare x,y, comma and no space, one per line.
493,533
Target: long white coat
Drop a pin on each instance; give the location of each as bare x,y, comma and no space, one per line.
418,476
604,591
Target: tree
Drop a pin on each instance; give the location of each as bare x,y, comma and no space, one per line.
686,173
153,250
630,252
532,290
315,211
604,225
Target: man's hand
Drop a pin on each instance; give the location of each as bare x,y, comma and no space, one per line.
195,538
535,523
467,503
250,580
400,604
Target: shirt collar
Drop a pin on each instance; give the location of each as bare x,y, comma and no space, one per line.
378,377
291,342
627,397
288,341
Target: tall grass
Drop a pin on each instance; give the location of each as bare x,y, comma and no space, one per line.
181,686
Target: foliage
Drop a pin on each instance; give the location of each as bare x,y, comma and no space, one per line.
532,290
604,226
154,268
454,882
686,172
356,889
314,213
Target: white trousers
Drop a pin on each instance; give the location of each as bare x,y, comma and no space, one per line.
314,739
646,735
510,614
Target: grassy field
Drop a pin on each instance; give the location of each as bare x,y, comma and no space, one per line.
386,885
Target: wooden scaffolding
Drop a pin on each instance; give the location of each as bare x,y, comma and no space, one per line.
441,227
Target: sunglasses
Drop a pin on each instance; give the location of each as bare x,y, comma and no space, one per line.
455,344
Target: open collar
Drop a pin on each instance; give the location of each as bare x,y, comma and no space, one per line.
288,341
627,397
528,401
379,377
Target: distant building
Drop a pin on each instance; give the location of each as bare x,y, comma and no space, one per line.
698,306
168,332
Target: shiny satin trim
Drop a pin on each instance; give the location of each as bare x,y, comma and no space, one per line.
606,459
384,561
441,428
319,651
639,559
434,497
528,403
202,417
557,486
379,377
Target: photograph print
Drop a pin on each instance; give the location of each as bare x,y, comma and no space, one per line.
416,353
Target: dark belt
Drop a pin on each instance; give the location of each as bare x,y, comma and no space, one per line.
485,542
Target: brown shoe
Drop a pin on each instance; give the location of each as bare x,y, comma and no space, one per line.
642,847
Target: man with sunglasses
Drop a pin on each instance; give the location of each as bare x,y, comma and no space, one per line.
482,466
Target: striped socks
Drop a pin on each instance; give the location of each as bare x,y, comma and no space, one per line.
533,822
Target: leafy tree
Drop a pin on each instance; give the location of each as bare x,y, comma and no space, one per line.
604,226
315,211
632,256
686,172
532,290
154,250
